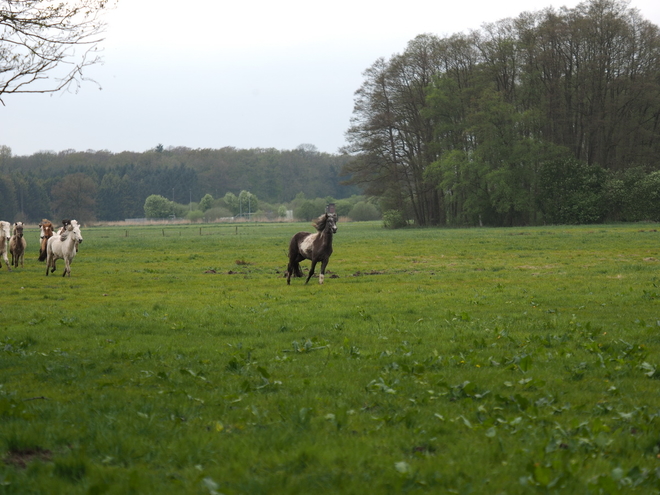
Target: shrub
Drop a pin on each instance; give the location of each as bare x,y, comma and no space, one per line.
572,192
309,210
217,212
195,215
364,212
206,202
393,219
156,206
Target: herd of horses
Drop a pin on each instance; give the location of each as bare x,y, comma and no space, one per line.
316,247
62,245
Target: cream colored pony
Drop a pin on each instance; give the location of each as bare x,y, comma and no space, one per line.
63,246
5,234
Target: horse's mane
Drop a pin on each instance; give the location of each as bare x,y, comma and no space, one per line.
319,223
69,226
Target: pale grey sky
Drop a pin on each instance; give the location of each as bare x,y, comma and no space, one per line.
252,74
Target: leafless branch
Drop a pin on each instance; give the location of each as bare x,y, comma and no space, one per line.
45,45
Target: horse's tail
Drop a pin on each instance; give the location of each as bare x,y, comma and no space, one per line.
294,269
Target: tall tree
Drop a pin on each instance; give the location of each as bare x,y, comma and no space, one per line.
392,132
37,201
110,198
8,205
73,197
501,102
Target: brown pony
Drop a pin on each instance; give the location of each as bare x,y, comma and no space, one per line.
17,245
315,247
46,233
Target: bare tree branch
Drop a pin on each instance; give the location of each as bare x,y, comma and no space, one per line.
45,45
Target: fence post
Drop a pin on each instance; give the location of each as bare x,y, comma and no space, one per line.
163,232
200,231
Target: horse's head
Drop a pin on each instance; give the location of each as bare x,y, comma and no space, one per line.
18,229
75,231
331,222
46,229
326,223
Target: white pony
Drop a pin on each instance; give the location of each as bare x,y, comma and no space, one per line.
63,247
5,234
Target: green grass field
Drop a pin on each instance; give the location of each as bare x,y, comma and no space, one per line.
177,360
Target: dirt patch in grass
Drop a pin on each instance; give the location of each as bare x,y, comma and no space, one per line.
22,457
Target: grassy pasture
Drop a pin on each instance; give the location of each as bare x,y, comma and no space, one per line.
175,360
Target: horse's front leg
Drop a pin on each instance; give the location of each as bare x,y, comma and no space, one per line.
67,268
311,272
324,263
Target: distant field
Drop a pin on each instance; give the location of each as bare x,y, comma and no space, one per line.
177,360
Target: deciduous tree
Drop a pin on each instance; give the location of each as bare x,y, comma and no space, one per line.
73,197
157,206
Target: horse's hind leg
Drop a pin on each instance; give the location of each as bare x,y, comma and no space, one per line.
289,271
292,270
311,272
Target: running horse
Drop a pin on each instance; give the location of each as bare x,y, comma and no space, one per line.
17,245
5,235
46,233
314,247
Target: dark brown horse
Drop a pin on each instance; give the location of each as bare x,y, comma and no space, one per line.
315,247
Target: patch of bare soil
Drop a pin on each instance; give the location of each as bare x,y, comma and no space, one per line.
21,458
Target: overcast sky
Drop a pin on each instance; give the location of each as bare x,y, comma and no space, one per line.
251,74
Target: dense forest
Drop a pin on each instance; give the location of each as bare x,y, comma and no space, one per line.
99,185
549,117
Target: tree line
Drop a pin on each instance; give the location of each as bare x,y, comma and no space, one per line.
552,116
99,185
